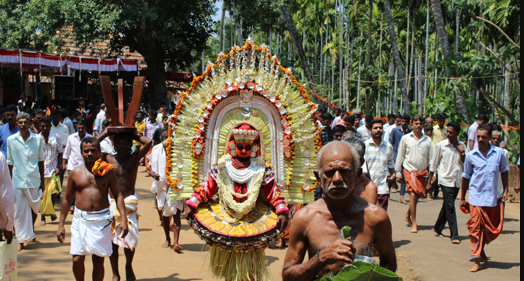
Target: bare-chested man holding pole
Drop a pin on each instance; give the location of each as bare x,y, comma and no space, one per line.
316,228
91,227
126,164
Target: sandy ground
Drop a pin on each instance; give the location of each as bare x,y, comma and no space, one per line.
420,256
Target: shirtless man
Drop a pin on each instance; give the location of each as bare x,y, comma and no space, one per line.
316,228
126,164
364,187
90,230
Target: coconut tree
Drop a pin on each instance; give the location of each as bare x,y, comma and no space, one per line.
396,56
446,50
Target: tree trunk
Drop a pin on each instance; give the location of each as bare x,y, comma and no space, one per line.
237,23
321,65
412,58
222,23
290,24
420,84
396,56
426,56
359,71
156,77
441,27
457,31
340,57
446,51
368,59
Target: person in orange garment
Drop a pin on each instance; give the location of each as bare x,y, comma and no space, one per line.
481,171
414,154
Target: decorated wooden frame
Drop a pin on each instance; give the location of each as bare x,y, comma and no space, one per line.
247,85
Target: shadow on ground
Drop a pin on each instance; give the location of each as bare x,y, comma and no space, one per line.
172,277
401,243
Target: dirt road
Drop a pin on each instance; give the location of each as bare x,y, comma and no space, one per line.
421,256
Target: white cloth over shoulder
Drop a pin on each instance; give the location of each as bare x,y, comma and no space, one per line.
7,197
27,199
131,240
91,233
157,161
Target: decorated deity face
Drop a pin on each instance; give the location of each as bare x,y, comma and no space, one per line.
244,150
244,144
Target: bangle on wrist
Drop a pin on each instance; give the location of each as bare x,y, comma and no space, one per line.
318,259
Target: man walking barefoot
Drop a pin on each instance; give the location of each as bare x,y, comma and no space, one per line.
414,154
167,208
126,164
53,150
25,157
91,226
481,170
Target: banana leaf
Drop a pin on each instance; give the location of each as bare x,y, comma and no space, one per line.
362,271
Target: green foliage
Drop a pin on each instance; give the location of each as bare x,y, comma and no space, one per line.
172,32
361,271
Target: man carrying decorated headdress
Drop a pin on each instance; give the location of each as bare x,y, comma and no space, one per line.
238,178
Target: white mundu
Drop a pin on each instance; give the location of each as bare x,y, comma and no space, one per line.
157,161
131,240
91,233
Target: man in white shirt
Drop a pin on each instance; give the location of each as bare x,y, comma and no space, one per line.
364,130
448,161
472,132
380,160
391,122
414,154
61,131
72,155
57,127
25,157
387,132
100,117
67,120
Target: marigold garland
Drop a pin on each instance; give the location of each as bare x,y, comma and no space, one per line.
196,80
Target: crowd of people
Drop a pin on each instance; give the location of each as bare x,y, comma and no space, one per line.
425,158
407,154
39,145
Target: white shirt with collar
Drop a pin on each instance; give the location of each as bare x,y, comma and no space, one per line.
61,130
387,132
415,154
72,152
447,162
379,159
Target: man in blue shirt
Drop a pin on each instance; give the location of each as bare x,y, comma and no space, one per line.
394,139
8,129
481,173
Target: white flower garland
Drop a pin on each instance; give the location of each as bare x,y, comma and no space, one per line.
226,193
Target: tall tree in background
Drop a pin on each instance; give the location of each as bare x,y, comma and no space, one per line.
297,42
396,57
368,59
446,50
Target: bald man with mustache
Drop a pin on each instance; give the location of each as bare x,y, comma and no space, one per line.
316,228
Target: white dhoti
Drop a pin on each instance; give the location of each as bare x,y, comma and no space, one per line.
165,204
131,240
27,199
157,161
91,233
